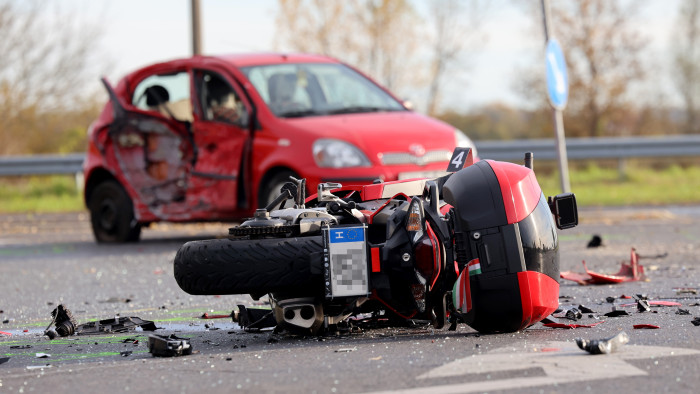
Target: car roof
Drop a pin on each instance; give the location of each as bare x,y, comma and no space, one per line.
258,59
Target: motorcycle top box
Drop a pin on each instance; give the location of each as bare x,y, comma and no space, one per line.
478,246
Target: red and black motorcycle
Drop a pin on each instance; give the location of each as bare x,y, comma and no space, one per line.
477,246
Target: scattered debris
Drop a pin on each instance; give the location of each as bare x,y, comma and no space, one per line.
610,300
63,321
584,309
595,242
21,347
126,353
131,340
5,333
118,324
345,350
65,324
208,316
649,326
696,321
656,303
30,367
643,306
255,318
682,312
3,360
562,325
569,312
115,300
168,346
603,346
43,355
616,313
628,273
685,290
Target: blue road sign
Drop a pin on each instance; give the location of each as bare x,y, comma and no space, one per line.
557,79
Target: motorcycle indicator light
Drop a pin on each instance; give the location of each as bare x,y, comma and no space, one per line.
415,220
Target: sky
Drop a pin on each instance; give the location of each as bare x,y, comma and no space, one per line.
140,32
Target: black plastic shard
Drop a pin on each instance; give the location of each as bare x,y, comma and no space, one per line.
603,346
168,346
255,318
696,321
584,309
117,324
62,319
682,312
616,313
643,306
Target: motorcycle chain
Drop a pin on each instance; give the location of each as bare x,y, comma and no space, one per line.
262,230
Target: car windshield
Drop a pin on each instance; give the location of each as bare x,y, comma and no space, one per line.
313,89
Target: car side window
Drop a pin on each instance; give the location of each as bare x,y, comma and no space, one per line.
220,102
167,94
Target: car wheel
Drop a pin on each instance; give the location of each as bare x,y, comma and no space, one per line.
270,188
112,214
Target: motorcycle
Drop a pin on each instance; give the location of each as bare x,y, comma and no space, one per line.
476,246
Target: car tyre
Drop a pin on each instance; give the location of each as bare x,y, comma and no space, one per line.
270,188
249,266
112,214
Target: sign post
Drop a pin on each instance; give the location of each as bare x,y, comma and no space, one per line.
558,91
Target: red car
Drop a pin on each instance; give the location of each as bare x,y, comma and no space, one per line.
212,138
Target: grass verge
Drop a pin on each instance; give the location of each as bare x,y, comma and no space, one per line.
594,186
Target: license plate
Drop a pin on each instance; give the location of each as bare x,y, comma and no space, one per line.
345,263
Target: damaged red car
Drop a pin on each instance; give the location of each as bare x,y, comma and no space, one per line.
212,138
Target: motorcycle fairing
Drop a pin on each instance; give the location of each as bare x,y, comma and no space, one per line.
517,285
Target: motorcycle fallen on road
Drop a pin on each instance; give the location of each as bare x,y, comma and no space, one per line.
477,246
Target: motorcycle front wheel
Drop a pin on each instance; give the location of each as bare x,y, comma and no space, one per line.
249,266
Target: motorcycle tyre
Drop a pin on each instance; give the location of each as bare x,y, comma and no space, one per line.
249,266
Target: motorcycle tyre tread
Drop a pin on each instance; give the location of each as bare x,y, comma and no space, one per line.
245,266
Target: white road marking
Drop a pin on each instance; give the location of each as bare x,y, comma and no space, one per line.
562,362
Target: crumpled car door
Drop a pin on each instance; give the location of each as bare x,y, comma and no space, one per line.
154,154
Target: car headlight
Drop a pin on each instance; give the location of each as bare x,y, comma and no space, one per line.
463,141
329,153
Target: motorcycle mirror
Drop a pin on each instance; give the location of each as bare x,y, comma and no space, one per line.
564,209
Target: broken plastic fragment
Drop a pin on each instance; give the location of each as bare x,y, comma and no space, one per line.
584,309
168,346
562,325
117,324
603,346
5,333
682,312
208,316
627,273
696,321
63,321
3,360
643,306
255,318
649,326
43,355
616,313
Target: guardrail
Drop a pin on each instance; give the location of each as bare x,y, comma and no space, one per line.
543,149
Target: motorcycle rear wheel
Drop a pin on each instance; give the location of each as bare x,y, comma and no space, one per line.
249,266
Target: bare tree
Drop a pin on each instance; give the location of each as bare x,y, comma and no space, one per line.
377,36
456,24
603,51
686,62
44,54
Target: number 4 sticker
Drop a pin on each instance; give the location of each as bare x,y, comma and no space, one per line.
461,157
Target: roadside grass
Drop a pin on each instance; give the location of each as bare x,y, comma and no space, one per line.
56,193
640,185
593,185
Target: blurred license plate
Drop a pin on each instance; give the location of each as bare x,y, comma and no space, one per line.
421,174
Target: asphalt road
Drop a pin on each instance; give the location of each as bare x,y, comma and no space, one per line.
50,259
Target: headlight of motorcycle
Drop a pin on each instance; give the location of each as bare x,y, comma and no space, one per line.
463,141
330,153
